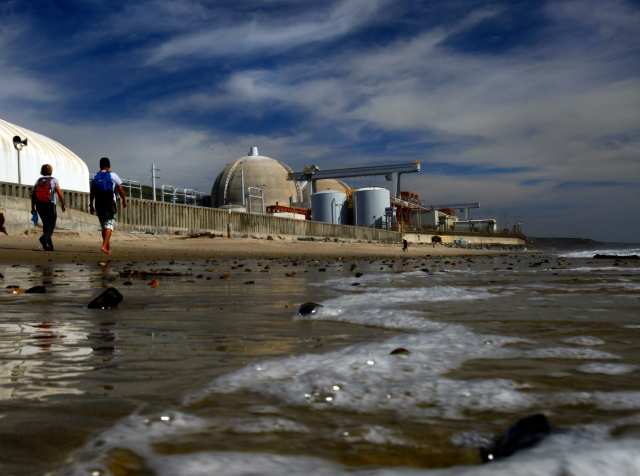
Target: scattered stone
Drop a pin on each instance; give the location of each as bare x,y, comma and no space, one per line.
399,351
249,282
523,434
308,308
127,283
109,299
357,275
36,290
135,273
225,276
355,284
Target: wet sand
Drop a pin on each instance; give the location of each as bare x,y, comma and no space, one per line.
72,247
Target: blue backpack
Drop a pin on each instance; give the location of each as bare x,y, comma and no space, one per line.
102,187
103,182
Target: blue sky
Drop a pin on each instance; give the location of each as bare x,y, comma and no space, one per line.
530,107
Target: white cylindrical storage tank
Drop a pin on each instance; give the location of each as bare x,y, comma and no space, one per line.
369,206
329,206
68,168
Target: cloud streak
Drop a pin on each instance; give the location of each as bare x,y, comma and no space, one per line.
257,35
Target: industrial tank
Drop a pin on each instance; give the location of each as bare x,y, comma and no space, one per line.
68,168
329,206
369,206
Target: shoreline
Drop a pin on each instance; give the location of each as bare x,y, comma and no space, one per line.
84,247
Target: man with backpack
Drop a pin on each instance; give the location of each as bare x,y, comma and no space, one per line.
43,201
104,187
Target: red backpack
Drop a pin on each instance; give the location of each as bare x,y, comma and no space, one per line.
42,190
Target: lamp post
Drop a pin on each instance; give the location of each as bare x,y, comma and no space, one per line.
19,144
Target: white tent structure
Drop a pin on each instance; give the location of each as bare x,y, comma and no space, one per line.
68,168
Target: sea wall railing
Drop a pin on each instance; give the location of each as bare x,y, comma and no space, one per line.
159,217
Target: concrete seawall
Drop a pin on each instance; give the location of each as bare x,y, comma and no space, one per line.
157,217
469,239
17,215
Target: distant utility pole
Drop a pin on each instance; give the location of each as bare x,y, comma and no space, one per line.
154,177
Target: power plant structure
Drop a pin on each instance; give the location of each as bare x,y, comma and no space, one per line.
259,184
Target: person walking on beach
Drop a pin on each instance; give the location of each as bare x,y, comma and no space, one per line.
104,187
405,245
44,197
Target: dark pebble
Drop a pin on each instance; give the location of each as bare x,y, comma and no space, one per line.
523,434
109,299
308,308
399,351
36,290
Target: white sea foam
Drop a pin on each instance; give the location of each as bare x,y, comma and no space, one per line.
378,435
591,253
568,353
591,269
366,378
607,369
603,400
389,318
369,308
558,456
586,341
262,425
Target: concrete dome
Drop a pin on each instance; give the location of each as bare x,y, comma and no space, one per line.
259,171
68,168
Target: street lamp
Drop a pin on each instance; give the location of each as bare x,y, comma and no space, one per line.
19,144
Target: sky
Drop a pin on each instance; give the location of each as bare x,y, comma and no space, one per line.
531,108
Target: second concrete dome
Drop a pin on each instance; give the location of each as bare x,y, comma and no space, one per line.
259,171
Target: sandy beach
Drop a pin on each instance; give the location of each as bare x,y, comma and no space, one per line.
71,246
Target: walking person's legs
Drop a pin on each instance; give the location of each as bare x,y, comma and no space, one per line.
107,224
47,212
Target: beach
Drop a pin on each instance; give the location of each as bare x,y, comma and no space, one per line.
409,365
72,246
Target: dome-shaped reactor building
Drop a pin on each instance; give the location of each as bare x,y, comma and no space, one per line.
255,171
36,150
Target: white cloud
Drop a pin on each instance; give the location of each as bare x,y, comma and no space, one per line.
258,35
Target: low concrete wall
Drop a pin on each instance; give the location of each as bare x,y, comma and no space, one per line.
159,217
17,215
472,240
149,216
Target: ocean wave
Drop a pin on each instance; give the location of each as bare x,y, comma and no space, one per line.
591,253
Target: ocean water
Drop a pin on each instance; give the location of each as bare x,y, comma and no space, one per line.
214,372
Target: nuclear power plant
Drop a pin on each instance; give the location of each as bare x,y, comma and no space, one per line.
260,185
